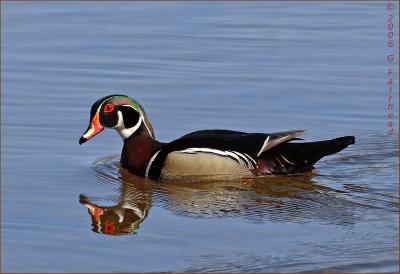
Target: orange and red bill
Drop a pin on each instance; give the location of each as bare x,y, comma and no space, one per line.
94,128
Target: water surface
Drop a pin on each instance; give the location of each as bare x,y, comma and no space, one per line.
257,67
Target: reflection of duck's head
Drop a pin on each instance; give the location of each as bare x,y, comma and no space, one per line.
114,220
129,207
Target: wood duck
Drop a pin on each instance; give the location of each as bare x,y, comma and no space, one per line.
219,154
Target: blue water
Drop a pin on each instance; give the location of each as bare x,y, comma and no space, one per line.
257,67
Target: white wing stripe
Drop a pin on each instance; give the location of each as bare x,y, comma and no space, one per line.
238,160
287,160
248,163
254,162
264,146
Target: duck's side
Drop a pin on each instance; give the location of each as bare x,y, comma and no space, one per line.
231,154
206,153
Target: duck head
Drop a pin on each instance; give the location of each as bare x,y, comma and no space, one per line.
119,112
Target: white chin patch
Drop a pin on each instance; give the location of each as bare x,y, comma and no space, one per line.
126,132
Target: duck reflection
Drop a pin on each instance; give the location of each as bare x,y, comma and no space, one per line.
274,198
123,218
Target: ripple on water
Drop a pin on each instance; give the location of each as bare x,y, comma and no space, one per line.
105,180
339,196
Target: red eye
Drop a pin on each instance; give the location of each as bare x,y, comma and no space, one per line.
108,108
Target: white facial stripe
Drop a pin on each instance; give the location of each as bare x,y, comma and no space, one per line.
120,123
147,127
120,127
126,132
150,163
98,110
141,115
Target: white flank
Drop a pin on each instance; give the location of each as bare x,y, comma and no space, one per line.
264,146
150,163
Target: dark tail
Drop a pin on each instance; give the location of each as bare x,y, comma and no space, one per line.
298,157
